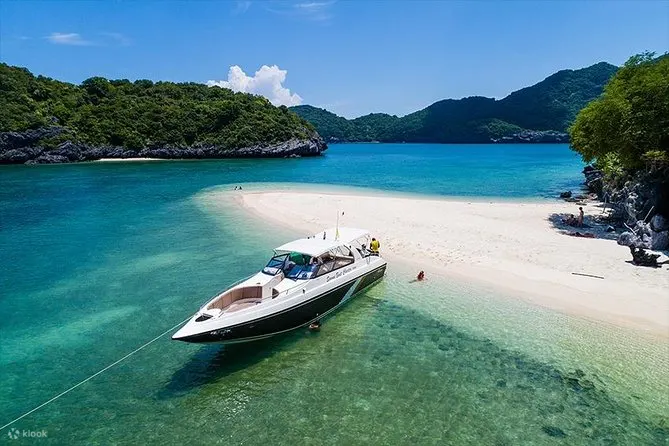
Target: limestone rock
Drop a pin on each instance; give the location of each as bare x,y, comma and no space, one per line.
659,240
593,179
24,147
48,159
628,238
659,223
534,136
29,138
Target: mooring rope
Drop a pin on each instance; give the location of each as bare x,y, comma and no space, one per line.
95,374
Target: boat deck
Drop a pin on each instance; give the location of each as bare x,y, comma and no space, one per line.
242,304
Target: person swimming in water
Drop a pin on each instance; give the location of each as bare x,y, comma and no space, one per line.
419,278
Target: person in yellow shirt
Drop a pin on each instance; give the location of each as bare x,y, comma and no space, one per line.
374,246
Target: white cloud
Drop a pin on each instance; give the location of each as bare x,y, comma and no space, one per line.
67,39
267,81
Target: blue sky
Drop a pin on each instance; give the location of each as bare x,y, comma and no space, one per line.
352,57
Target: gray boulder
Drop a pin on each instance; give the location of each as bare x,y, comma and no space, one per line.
659,240
28,138
659,223
642,237
628,238
15,156
48,158
69,150
593,179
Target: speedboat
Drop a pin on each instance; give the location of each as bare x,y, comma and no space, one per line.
304,281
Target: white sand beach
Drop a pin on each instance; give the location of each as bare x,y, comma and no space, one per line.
126,160
511,246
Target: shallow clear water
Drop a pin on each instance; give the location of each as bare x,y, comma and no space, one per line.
98,259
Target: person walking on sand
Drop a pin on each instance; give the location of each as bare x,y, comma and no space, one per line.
580,217
374,246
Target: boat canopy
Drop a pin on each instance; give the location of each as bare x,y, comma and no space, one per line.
344,235
325,241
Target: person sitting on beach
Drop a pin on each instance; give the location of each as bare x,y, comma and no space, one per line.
374,246
580,217
571,220
421,276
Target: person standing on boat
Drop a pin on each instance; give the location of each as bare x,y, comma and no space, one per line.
374,246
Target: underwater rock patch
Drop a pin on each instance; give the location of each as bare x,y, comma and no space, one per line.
553,431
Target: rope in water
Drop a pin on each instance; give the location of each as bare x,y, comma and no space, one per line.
95,374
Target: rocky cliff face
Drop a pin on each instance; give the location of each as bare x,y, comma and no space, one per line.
27,148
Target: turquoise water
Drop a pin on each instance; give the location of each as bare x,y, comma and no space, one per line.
98,259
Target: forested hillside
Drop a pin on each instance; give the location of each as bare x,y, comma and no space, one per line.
540,111
625,134
143,114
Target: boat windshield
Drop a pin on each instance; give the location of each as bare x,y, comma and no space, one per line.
275,265
294,266
302,272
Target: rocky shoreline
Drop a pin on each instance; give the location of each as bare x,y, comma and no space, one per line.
28,148
522,137
534,137
637,205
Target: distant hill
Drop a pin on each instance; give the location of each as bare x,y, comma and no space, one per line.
540,113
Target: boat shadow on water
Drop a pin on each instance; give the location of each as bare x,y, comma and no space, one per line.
216,361
212,362
476,375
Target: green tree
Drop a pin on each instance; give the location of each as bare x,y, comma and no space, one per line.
143,113
628,125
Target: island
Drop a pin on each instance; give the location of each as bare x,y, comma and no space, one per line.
540,113
43,120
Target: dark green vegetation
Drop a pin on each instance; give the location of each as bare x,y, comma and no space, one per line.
625,132
141,114
550,105
627,127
